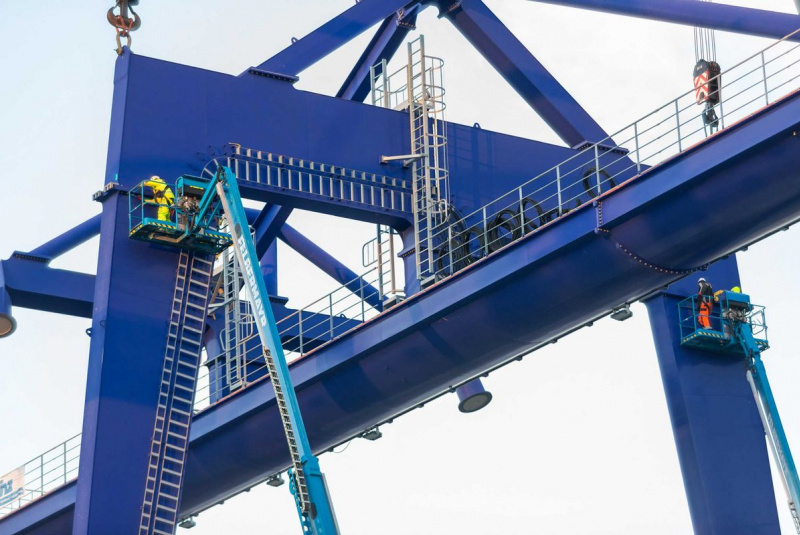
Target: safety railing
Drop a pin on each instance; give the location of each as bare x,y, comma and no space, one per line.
661,134
720,318
330,182
329,317
40,475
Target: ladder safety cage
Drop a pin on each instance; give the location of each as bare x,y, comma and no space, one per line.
421,93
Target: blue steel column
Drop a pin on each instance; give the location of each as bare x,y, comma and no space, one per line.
133,292
715,422
524,73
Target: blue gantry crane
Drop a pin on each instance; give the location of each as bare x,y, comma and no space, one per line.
492,226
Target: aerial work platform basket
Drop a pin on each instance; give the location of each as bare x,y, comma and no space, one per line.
166,213
727,308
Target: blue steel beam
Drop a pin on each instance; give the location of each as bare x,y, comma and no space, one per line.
384,44
524,73
30,283
332,267
69,239
479,318
744,20
313,47
267,225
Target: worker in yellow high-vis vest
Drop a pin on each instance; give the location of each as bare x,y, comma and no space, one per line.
163,196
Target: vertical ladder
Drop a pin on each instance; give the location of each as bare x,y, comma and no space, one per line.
176,394
430,187
232,335
298,479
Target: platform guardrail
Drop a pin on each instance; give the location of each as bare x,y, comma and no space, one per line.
42,474
671,129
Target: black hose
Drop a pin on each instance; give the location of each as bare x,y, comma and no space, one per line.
605,177
504,229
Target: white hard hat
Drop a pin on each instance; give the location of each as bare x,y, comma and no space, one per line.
701,279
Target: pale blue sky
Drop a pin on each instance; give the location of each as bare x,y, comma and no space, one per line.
584,421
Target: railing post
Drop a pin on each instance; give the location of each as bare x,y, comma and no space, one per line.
558,187
330,312
521,213
361,290
764,74
636,143
485,234
65,461
450,247
380,264
678,122
597,166
391,262
300,324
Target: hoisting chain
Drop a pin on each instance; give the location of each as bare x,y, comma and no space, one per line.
123,22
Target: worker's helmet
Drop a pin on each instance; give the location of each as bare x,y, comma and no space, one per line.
156,183
701,279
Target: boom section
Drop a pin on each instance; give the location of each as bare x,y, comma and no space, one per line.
307,481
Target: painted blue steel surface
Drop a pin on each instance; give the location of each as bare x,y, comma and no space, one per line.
267,225
481,317
716,16
390,35
174,113
313,47
32,284
269,268
729,489
524,73
69,239
125,361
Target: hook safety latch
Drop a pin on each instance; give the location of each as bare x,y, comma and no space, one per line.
123,22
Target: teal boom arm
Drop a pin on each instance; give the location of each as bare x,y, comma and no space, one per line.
307,481
768,409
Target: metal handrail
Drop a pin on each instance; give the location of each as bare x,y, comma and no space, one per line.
47,472
662,133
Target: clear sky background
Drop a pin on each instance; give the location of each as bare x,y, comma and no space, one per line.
577,439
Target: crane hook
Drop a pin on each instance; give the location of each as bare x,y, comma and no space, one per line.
123,23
